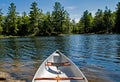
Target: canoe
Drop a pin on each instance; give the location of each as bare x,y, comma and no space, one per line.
58,68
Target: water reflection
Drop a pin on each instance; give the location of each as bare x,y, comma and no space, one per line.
92,52
1,50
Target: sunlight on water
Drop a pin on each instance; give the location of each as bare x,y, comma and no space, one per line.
98,56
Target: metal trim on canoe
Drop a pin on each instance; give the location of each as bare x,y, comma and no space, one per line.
58,68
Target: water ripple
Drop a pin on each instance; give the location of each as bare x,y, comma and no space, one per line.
96,53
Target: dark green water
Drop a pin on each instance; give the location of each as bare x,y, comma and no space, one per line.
98,56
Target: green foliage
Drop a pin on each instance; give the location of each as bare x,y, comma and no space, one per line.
107,18
103,21
1,19
86,21
11,21
59,17
117,21
98,22
23,24
74,29
57,22
45,25
34,17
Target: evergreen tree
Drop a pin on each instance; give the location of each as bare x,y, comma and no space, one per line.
59,15
23,24
73,25
113,21
66,27
87,21
58,21
98,23
19,25
45,25
1,19
107,18
11,21
80,26
117,21
34,17
41,18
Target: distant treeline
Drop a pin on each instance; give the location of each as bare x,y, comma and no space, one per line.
57,22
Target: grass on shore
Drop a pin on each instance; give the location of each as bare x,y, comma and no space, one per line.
3,36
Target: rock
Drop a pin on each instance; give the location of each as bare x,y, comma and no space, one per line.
5,77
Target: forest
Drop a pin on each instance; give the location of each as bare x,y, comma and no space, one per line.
37,23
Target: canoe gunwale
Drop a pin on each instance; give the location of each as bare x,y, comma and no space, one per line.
65,64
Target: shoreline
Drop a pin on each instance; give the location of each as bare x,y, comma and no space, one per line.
10,36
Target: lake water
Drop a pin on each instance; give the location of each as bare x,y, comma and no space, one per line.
98,56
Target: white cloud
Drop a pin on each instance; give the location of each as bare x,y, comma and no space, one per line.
71,7
76,17
77,20
73,12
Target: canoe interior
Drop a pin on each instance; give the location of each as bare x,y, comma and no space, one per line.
58,65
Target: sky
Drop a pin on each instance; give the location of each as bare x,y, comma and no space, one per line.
75,8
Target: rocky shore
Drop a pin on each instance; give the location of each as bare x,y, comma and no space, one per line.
6,77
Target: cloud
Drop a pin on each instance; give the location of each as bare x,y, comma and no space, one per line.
77,20
76,17
71,7
73,13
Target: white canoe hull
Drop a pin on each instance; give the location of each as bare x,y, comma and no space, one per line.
58,68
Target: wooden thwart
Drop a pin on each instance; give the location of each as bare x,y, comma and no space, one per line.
61,78
57,64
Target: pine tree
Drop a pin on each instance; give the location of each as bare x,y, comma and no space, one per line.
34,17
59,16
1,19
117,21
11,21
87,21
